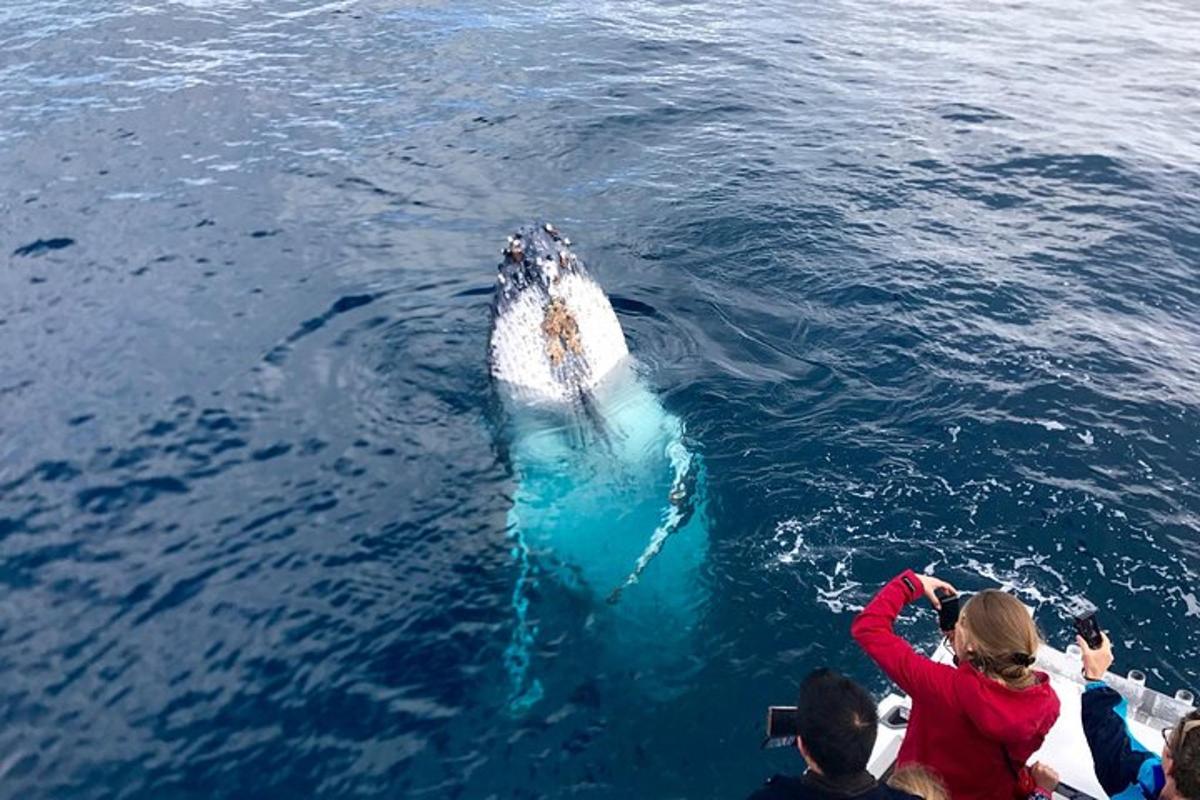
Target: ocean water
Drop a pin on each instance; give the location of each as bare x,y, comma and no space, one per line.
921,279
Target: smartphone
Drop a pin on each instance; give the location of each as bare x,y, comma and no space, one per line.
1087,627
948,613
782,726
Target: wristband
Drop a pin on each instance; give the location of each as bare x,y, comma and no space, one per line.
1026,785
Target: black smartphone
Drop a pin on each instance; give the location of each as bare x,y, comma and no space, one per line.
948,613
1087,627
782,722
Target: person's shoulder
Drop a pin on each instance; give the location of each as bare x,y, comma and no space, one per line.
1041,682
780,787
1047,698
1151,776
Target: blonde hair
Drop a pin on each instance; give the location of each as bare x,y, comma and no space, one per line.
1001,637
919,780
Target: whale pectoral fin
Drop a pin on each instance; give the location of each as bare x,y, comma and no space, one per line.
524,691
673,521
680,507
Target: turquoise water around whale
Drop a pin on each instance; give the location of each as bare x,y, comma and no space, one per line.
921,280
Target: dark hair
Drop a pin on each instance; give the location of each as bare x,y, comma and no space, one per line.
1186,755
836,722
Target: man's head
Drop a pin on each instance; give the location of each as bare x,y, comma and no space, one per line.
836,725
1181,759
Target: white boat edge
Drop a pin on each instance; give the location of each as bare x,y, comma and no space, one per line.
1065,747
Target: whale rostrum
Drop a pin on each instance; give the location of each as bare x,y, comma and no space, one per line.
554,332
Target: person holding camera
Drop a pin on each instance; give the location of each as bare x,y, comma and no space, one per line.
836,724
976,723
1125,768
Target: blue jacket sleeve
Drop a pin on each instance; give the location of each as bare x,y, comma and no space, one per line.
1120,761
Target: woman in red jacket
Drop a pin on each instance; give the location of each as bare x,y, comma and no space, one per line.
977,723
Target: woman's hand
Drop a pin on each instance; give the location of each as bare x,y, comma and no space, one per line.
1044,776
931,585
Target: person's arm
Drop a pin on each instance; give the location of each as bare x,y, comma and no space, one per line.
872,629
1119,759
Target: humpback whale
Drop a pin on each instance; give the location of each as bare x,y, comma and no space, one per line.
608,496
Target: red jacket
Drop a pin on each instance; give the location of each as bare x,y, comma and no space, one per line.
977,733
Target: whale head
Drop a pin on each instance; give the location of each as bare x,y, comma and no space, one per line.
555,335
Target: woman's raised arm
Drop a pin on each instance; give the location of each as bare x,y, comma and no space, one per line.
872,629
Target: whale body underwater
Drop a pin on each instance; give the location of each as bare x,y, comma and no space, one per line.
609,498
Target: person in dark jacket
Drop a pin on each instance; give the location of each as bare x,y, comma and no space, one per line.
836,728
978,723
1125,768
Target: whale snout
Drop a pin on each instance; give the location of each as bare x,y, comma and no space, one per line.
554,332
534,256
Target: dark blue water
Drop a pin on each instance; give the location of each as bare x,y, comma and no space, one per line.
922,280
